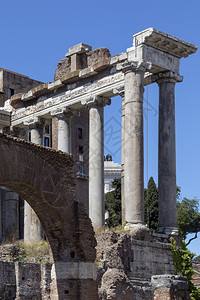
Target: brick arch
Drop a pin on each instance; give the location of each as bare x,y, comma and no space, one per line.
44,177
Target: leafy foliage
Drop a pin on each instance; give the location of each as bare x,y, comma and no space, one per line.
188,217
151,205
182,259
113,204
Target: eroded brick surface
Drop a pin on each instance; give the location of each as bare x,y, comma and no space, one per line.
44,177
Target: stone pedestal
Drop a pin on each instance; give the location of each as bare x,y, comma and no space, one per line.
73,280
167,153
96,164
11,224
32,228
133,144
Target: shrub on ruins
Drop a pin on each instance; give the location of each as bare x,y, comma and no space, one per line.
182,260
113,204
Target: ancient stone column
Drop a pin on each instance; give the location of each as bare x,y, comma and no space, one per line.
32,228
63,133
133,144
36,135
122,158
11,218
167,152
96,162
120,92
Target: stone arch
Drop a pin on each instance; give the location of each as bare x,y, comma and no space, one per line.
44,177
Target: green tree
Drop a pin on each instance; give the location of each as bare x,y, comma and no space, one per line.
188,218
113,204
151,205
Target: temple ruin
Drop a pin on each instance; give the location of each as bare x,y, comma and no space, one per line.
68,115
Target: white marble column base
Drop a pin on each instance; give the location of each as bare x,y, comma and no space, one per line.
135,227
169,230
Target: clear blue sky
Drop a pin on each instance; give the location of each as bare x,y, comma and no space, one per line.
35,35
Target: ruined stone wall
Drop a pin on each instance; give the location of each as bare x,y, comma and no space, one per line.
17,82
138,258
170,287
116,278
24,281
196,276
127,264
150,258
94,58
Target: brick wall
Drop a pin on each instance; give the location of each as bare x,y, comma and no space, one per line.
45,178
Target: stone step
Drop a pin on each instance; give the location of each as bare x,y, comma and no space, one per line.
140,281
142,288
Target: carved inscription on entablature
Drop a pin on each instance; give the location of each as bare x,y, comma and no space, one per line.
75,96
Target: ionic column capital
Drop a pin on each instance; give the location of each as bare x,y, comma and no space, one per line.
34,122
136,66
64,113
96,101
119,91
168,76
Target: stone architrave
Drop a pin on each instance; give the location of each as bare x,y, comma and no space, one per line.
4,119
32,227
167,152
96,161
133,144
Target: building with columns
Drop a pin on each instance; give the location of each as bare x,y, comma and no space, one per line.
112,170
68,114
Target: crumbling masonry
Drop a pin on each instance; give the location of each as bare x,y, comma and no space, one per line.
67,115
